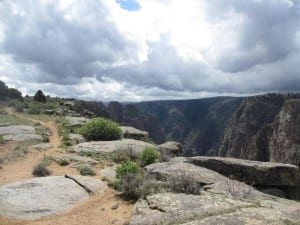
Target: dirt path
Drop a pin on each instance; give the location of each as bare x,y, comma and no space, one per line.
22,168
97,210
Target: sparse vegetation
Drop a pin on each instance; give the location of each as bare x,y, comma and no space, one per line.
34,108
147,156
41,170
86,171
135,186
184,183
101,129
63,162
128,167
124,155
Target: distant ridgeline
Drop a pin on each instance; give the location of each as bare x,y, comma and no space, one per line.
9,93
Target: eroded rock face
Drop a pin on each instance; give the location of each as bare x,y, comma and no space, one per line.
39,197
106,147
284,144
264,128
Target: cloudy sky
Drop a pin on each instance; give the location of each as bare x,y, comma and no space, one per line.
133,50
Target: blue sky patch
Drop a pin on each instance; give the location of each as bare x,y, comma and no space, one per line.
130,5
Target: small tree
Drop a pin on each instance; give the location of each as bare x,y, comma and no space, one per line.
40,97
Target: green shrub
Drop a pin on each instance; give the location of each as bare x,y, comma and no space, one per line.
41,170
128,167
66,141
184,183
34,108
101,129
63,162
86,170
148,156
140,185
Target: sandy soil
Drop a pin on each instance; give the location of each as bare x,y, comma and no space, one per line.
96,210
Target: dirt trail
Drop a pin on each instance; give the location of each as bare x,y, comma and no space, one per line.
97,210
22,168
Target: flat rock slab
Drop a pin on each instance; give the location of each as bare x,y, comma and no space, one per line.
75,158
171,208
22,137
211,209
202,175
19,133
106,147
17,129
39,197
42,146
251,172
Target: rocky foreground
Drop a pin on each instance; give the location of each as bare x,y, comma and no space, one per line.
221,201
231,189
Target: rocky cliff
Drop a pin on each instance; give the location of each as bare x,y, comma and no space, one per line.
265,128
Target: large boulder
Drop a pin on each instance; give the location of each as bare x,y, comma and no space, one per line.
106,147
273,178
170,148
39,197
17,129
208,179
133,133
75,122
22,137
251,172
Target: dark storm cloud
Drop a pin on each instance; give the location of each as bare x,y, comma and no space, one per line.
267,34
63,49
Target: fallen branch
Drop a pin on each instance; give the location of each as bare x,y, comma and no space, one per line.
89,191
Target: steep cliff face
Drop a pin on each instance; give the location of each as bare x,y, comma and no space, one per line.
264,128
284,143
197,124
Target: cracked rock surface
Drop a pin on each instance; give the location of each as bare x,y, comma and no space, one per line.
39,197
